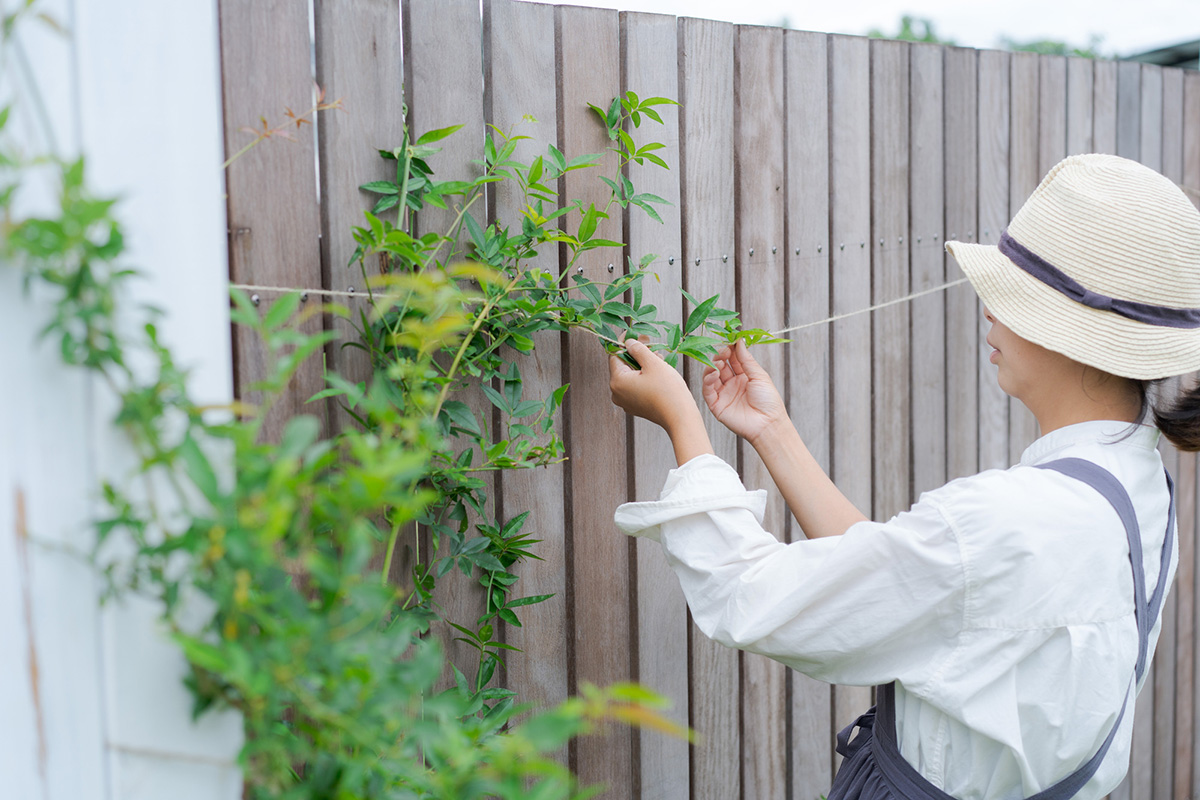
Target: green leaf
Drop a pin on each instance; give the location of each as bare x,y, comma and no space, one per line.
462,416
281,311
437,134
496,398
199,470
535,170
475,231
700,314
380,187
528,601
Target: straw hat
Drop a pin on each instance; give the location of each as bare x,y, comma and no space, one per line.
1101,264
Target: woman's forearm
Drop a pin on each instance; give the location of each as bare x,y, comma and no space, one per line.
688,435
816,503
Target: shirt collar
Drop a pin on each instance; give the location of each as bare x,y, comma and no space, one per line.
1105,431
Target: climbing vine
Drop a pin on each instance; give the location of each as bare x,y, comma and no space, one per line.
331,667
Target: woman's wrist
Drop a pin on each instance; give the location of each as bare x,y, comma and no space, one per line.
772,432
688,435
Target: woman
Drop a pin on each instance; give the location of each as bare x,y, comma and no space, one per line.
1008,617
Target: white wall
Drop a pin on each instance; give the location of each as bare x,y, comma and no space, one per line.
91,703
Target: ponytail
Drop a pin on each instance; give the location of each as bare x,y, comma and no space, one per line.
1177,418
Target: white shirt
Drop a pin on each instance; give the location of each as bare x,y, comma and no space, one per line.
1002,604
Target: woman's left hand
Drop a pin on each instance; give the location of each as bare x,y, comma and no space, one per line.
655,392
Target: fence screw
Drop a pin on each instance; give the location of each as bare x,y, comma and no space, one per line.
580,270
935,237
610,267
751,251
818,249
671,260
724,259
774,250
901,240
881,242
254,299
697,262
987,232
952,236
970,234
918,240
304,297
862,244
350,290
842,245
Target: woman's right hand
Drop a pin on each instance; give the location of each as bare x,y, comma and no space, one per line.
741,395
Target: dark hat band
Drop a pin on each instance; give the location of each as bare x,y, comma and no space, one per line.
1058,280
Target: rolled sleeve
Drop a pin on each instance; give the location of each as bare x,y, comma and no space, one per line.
882,602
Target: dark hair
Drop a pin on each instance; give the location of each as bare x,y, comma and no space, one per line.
1177,416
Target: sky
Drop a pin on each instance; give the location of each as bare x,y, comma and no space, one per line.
1126,26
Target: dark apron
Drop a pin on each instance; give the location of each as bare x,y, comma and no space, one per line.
873,768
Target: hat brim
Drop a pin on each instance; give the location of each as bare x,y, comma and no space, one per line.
1046,317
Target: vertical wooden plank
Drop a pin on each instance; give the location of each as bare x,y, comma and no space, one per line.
850,223
1023,177
1172,705
442,45
1104,107
995,76
927,215
1188,764
1052,112
1129,109
807,128
891,362
274,218
1147,119
358,62
1154,727
962,327
1080,98
758,174
520,66
707,191
651,69
1185,621
589,72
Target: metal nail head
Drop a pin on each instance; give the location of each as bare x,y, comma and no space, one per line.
819,248
842,246
901,240
304,297
881,242
724,259
671,260
579,270
611,267
862,244
751,251
351,290
255,299
697,262
774,250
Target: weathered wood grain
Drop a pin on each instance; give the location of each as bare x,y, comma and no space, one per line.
707,203
995,77
850,222
1023,177
759,240
600,557
1081,94
522,99
1129,109
891,356
962,202
358,62
1104,107
442,45
650,69
806,90
274,219
927,167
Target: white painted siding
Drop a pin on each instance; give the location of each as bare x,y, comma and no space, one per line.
91,702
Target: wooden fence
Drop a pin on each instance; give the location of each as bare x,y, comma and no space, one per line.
813,176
